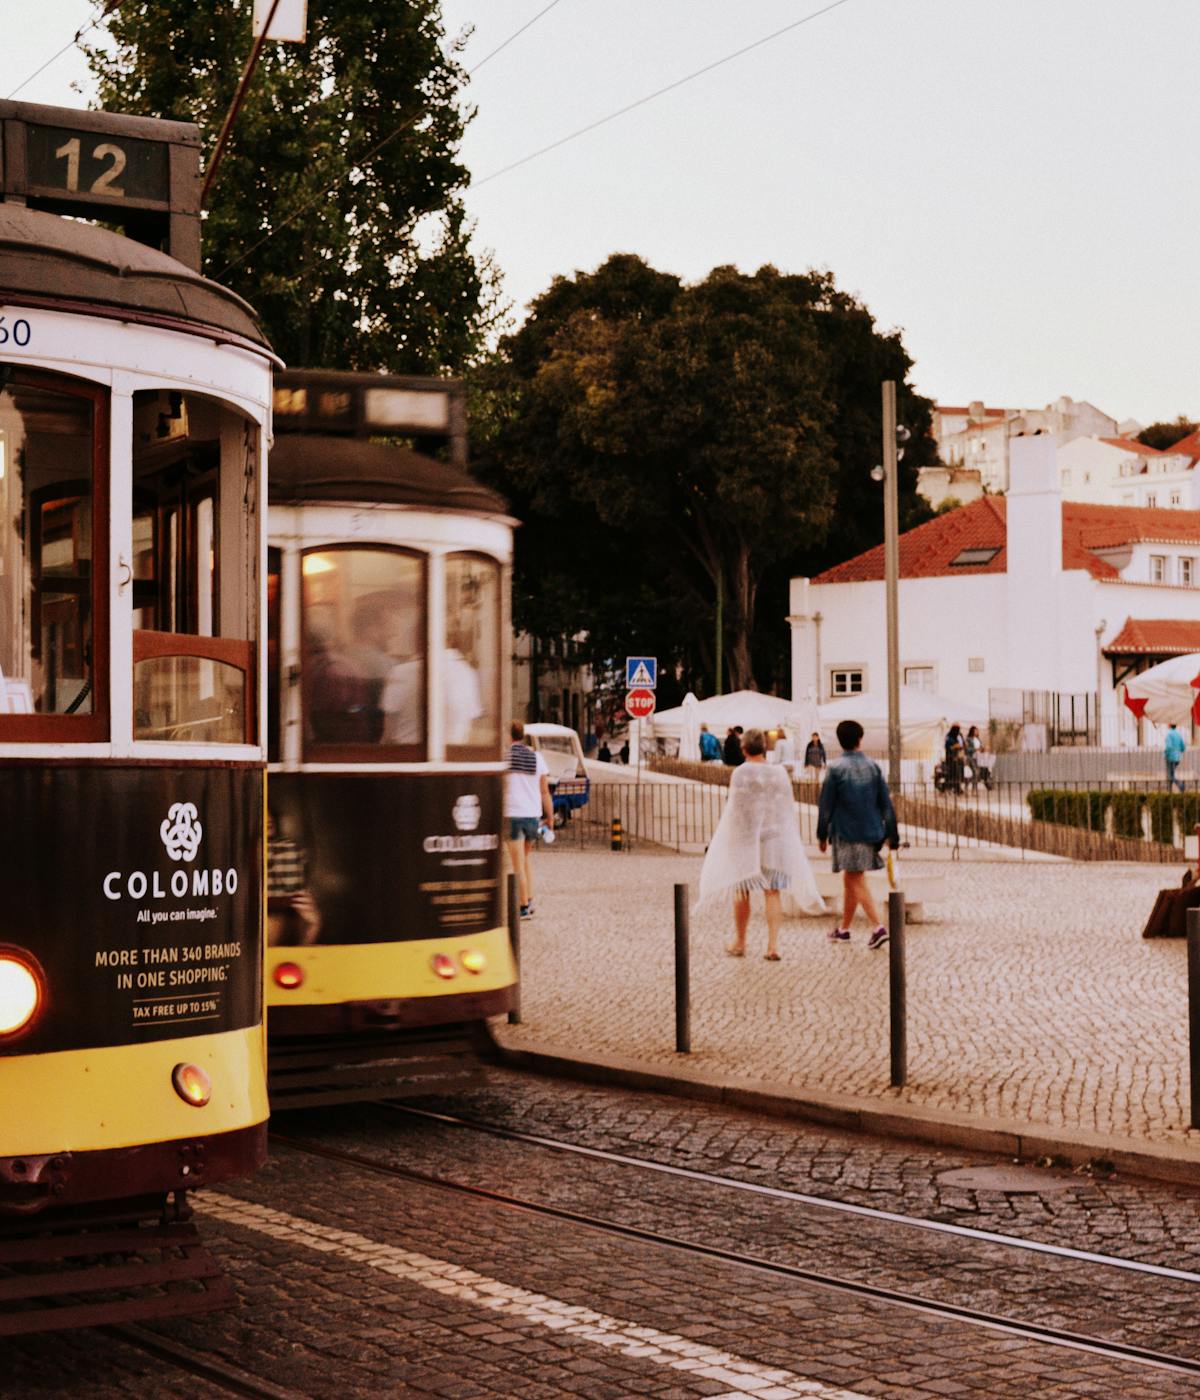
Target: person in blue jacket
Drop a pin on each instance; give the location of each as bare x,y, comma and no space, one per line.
857,816
1173,752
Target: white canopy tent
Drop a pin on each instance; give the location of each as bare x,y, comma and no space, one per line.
749,708
924,720
1168,693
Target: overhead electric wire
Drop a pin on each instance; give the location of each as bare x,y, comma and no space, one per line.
660,92
79,33
379,145
563,140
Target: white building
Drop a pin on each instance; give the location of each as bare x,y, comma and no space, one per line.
1027,593
976,438
1121,471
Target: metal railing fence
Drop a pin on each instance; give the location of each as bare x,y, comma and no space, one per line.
1131,820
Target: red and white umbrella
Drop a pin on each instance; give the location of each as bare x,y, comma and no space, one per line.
1168,693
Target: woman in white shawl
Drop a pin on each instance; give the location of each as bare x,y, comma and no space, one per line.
757,847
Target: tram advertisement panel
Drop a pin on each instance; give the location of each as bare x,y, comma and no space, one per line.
382,857
138,891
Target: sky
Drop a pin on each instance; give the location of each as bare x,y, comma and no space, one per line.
1010,185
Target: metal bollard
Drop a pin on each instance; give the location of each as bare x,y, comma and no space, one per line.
897,989
618,839
683,995
1193,967
514,937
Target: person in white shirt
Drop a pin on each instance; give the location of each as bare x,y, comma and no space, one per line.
526,799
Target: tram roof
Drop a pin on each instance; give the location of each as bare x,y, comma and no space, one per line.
307,467
46,260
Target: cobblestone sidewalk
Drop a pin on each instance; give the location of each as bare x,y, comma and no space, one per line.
1032,997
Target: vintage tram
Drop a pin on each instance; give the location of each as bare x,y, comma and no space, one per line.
134,413
388,586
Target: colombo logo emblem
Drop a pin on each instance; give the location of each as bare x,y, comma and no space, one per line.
466,812
181,832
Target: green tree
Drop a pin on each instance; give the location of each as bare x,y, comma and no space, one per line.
710,432
1164,435
379,273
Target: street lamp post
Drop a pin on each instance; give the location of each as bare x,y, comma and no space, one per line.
891,563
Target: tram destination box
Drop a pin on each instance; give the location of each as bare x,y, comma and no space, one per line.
138,172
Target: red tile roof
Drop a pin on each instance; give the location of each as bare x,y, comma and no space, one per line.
965,412
930,549
1162,636
1189,446
1139,449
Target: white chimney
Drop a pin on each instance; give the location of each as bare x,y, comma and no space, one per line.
1034,562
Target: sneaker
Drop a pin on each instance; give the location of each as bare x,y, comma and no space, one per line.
838,935
878,938
527,911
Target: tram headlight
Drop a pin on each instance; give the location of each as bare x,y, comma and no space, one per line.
473,960
443,966
20,990
288,975
192,1084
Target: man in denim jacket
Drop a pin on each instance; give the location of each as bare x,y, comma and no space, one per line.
856,814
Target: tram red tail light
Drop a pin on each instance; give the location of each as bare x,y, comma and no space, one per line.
21,989
192,1084
443,966
473,960
288,975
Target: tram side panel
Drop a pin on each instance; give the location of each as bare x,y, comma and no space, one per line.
384,901
134,896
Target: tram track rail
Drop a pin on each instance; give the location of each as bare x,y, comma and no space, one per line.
200,1364
782,1193
1105,1348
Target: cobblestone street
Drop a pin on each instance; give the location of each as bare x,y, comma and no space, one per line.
354,1281
1032,998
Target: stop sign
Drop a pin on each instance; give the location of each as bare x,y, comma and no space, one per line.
639,704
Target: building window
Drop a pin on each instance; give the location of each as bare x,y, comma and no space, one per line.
1187,571
1176,498
1152,498
975,663
1158,568
974,558
920,678
849,682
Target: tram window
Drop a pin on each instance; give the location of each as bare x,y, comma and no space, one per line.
274,654
471,658
51,560
195,552
364,654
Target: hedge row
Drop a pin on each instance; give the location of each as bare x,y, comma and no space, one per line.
1090,810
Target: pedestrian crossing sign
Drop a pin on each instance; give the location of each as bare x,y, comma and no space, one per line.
641,672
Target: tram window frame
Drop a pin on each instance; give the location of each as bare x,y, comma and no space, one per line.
316,751
477,753
173,482
94,727
273,619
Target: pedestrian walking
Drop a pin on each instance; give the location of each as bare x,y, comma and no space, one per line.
623,752
855,814
710,746
757,846
604,753
955,750
732,751
784,753
814,756
972,746
526,800
1173,751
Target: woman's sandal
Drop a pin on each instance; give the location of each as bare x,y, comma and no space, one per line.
771,957
734,951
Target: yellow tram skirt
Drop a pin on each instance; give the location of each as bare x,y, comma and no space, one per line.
390,971
122,1095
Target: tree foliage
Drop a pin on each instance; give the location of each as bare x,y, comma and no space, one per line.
379,273
1164,435
666,444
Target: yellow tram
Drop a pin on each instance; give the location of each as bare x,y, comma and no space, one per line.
388,587
134,411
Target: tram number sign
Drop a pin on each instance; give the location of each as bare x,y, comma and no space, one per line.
97,165
639,704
